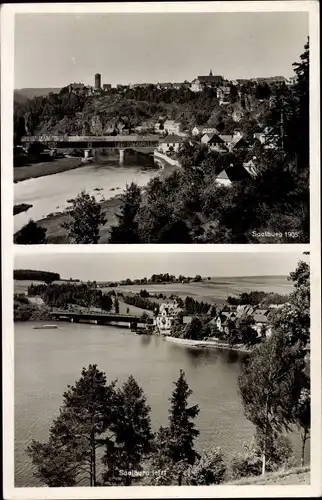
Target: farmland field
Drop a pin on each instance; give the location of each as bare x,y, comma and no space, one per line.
215,290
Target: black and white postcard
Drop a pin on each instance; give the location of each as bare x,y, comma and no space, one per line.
161,250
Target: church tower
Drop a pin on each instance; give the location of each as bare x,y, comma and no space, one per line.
210,73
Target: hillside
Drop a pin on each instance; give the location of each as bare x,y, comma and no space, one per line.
66,112
30,93
298,475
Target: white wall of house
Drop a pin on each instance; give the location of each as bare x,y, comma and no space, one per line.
205,138
196,86
166,317
223,181
172,127
164,147
196,131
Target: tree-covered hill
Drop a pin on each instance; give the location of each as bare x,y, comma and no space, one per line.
28,274
76,112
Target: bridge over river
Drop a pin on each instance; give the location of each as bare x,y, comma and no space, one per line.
140,143
100,318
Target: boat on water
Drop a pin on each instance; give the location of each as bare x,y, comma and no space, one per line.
44,327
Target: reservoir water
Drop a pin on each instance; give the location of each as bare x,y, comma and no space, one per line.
49,194
46,361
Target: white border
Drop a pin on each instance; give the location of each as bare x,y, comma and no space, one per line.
7,85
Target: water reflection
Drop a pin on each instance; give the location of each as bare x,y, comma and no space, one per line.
145,339
197,356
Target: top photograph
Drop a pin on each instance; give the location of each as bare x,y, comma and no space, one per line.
161,128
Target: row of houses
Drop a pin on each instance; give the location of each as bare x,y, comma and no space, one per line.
196,85
169,313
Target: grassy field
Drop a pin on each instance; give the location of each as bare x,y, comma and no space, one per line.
215,290
298,475
21,286
56,234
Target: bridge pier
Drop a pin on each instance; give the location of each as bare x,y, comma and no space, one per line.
121,152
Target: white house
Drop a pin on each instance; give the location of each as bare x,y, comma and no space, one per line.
223,179
172,127
164,321
223,94
197,130
196,85
171,143
262,323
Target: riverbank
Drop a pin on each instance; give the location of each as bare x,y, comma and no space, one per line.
41,169
57,234
167,159
53,221
207,344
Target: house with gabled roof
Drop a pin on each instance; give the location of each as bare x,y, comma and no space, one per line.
223,179
166,317
172,142
214,142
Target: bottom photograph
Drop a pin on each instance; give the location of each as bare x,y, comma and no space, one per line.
162,368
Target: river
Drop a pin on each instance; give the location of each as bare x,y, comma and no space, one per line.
49,194
46,361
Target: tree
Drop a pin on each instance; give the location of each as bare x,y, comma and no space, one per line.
293,319
209,469
133,437
127,229
116,305
181,431
75,435
302,413
249,463
193,330
55,464
233,336
31,234
106,302
86,219
247,333
269,386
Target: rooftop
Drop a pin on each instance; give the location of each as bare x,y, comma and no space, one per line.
172,138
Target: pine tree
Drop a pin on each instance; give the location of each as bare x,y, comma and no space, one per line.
31,234
131,428
181,429
127,229
75,435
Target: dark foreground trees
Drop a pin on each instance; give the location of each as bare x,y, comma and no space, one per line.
31,234
274,383
96,416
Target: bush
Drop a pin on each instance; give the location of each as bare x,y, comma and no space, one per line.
30,234
209,469
279,454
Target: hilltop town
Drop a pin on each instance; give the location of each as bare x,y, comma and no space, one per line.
224,147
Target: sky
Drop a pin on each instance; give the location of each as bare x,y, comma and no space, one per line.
53,50
117,266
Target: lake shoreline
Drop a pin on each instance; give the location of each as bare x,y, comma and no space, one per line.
206,344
